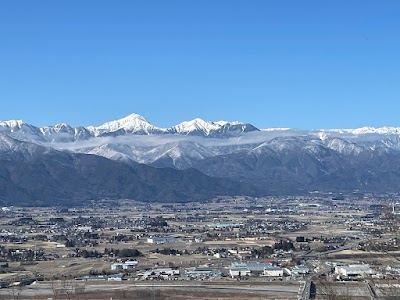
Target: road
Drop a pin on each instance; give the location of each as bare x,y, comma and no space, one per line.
305,295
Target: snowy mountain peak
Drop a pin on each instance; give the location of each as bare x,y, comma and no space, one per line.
196,126
18,127
62,125
56,129
13,124
129,122
133,123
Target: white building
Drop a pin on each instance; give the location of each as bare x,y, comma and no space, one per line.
116,277
239,272
273,272
161,272
201,273
161,239
300,270
354,270
254,268
128,265
84,228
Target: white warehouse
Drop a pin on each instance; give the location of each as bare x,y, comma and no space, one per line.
128,265
354,270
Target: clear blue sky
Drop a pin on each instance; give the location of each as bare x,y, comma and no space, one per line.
303,64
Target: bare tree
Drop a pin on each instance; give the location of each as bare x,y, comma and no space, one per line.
66,288
53,285
14,291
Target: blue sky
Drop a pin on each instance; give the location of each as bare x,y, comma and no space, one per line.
302,64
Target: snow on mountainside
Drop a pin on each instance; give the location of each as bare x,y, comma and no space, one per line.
6,143
345,147
12,125
185,144
119,152
63,133
181,155
274,157
60,132
276,129
20,129
217,129
61,127
32,174
196,126
11,149
365,130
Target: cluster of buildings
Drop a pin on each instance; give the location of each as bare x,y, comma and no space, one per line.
213,240
242,269
160,273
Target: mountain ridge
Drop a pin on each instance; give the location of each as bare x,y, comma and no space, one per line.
31,174
137,124
235,157
131,124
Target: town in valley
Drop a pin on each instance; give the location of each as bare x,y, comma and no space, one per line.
313,246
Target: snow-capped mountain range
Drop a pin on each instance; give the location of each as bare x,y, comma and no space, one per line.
136,124
132,124
271,160
134,139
